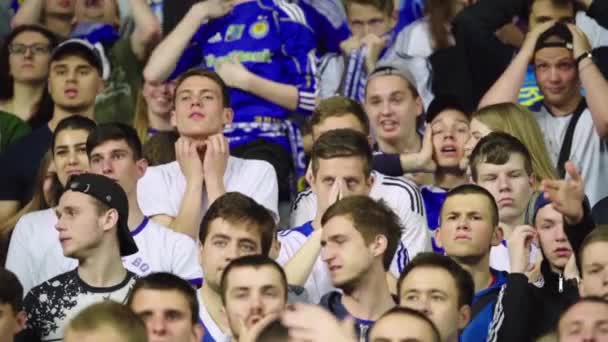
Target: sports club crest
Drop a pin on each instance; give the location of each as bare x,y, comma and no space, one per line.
234,32
259,29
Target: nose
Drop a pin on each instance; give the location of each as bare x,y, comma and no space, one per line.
72,158
554,74
256,304
231,252
560,235
327,254
28,53
503,183
106,166
158,326
463,223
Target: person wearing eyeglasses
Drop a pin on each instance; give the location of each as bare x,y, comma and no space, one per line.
24,69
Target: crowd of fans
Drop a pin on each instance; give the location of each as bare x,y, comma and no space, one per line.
303,170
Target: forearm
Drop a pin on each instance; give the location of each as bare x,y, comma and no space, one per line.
284,95
215,190
147,31
513,323
576,232
189,216
30,12
165,56
506,88
596,88
299,267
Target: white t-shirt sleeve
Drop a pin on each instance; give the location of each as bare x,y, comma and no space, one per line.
304,208
265,189
291,241
185,258
20,257
153,193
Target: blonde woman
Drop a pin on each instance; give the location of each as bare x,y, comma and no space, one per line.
519,122
153,109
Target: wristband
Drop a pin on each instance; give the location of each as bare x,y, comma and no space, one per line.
586,54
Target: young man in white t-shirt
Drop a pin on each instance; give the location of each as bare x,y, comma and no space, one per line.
401,194
341,166
93,229
234,226
178,194
563,63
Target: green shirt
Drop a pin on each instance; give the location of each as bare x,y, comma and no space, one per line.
117,102
11,129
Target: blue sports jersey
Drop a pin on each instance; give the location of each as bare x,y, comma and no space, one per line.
433,201
273,42
409,11
328,20
529,93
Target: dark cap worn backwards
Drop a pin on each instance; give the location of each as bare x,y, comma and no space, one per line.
111,194
557,35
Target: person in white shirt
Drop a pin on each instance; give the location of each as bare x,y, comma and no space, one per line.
564,65
341,166
178,194
115,151
234,226
401,194
34,252
92,226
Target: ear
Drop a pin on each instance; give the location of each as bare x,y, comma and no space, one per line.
419,106
310,178
173,118
110,219
21,319
142,166
464,316
200,253
438,237
101,85
497,236
370,181
533,182
228,115
198,331
581,288
275,248
379,245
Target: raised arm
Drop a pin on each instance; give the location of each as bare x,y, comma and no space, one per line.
594,83
166,55
30,12
506,88
147,31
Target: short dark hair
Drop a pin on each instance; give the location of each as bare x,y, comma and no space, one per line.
207,73
339,106
398,310
474,189
256,261
598,234
341,143
590,299
109,313
462,278
370,218
235,207
384,6
11,291
74,122
496,148
163,281
115,131
274,331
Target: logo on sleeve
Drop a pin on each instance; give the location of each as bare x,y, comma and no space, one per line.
234,32
259,29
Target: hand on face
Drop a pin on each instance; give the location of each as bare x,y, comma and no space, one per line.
532,37
212,9
566,195
216,156
348,45
519,248
251,333
580,41
187,155
313,323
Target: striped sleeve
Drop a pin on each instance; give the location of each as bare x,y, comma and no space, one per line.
299,48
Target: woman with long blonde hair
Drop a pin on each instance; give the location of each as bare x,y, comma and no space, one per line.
519,122
153,109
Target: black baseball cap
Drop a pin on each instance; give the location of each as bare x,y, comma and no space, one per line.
557,35
443,102
94,54
111,194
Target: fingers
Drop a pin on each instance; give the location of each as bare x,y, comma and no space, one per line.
572,171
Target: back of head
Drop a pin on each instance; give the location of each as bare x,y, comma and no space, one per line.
274,331
163,281
342,143
115,131
519,122
11,291
599,234
109,316
407,313
339,106
74,122
370,218
235,207
462,278
496,148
